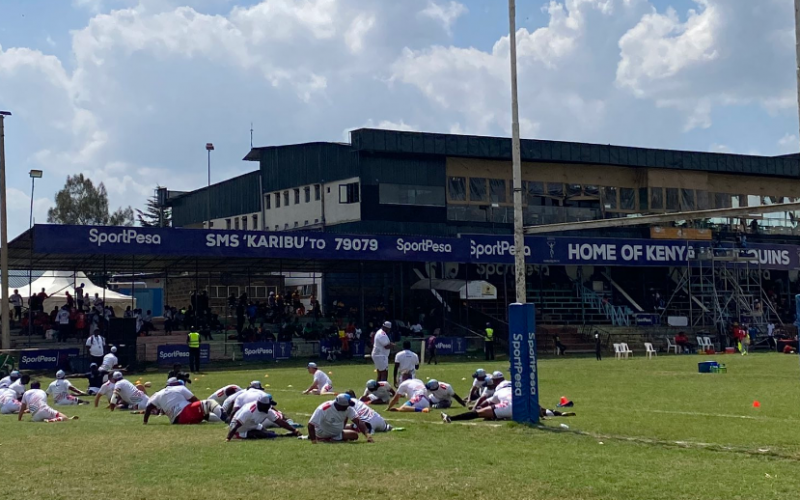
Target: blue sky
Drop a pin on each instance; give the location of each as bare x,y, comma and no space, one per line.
129,91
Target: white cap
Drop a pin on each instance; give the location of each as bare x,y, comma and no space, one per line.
113,349
312,365
387,324
116,376
60,374
497,375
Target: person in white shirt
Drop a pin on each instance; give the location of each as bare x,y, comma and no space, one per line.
497,384
178,403
63,392
321,385
478,383
62,318
12,377
125,392
441,395
16,302
371,418
327,422
239,400
251,421
405,361
110,361
35,401
416,329
771,336
499,407
18,386
413,389
96,345
107,391
377,393
9,404
224,393
381,346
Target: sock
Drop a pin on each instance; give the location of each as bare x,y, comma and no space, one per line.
470,415
417,410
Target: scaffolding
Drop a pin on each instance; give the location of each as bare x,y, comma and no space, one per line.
719,287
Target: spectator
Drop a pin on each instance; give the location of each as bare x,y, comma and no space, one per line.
683,342
96,345
79,296
771,336
62,317
416,329
70,300
16,302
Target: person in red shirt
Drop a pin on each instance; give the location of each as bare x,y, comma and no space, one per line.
683,342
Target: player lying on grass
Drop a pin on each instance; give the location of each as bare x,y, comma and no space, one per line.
441,395
35,401
498,407
371,418
182,407
377,393
60,389
321,385
478,383
413,389
220,395
133,396
239,400
251,421
328,420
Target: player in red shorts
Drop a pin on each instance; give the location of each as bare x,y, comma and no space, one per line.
182,407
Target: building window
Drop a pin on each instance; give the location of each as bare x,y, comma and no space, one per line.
277,227
268,202
233,290
477,189
296,224
656,198
286,198
555,189
257,292
305,223
497,190
307,191
348,193
591,190
317,192
401,194
255,222
286,226
687,199
277,200
627,199
722,200
574,190
244,223
673,200
610,198
227,223
532,192
457,188
703,200
297,196
210,224
316,221
236,222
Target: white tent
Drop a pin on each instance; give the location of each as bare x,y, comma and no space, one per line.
56,284
474,290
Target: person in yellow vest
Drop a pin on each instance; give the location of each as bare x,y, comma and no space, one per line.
193,339
488,343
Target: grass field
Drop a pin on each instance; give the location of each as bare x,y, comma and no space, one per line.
645,429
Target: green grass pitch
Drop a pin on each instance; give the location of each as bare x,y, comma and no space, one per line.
645,429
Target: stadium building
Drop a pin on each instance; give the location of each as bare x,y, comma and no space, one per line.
696,274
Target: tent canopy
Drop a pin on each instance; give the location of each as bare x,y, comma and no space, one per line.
56,284
474,290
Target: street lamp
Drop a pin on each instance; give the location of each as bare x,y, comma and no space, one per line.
6,329
209,149
35,174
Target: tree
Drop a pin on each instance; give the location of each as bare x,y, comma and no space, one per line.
81,203
153,215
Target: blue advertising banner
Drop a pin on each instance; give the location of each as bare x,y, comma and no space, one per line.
523,358
258,351
647,319
358,348
44,359
477,249
451,346
283,350
179,353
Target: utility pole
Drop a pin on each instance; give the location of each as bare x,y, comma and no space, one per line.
4,312
516,162
209,149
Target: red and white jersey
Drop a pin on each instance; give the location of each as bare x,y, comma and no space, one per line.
7,395
383,391
59,389
35,399
364,411
322,380
502,385
242,399
18,387
107,389
220,395
128,392
445,392
411,387
251,419
503,395
5,382
380,346
172,400
329,421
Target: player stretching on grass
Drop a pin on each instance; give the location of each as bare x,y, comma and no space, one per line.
441,395
371,418
182,407
61,388
250,422
478,384
134,396
327,422
35,400
377,393
414,389
321,385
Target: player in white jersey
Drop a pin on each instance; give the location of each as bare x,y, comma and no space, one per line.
499,407
63,392
498,383
405,361
125,392
9,404
381,346
237,401
224,393
178,403
377,393
441,395
35,401
110,361
12,377
327,422
18,386
478,383
414,390
106,390
371,418
321,385
251,421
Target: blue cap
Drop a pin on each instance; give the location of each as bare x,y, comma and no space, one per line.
372,385
343,400
432,384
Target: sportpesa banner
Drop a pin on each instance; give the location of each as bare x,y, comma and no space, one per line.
478,249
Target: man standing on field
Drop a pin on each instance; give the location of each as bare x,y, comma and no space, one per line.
381,347
405,361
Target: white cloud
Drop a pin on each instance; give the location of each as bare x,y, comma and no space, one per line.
446,14
789,143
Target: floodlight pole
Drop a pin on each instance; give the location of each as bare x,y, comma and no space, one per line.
4,310
516,161
209,149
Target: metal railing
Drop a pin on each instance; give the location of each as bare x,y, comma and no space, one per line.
618,315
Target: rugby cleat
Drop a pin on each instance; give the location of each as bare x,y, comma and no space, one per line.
446,418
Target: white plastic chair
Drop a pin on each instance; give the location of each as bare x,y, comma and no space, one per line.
617,351
649,350
704,343
709,344
624,349
671,346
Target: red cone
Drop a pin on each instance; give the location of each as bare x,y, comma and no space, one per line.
756,404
